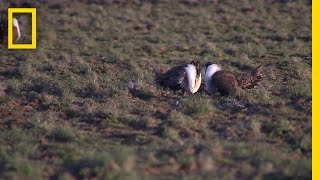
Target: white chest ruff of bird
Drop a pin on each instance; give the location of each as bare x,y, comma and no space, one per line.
16,30
208,77
192,83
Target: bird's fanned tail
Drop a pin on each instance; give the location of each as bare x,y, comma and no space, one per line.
250,79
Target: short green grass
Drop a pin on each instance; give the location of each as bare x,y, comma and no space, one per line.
85,105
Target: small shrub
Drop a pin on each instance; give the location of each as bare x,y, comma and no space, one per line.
62,135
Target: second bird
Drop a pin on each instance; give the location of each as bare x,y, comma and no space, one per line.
227,82
186,77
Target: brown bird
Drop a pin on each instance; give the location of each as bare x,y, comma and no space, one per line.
248,80
227,82
4,30
186,77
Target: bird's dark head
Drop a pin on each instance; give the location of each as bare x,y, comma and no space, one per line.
196,65
208,64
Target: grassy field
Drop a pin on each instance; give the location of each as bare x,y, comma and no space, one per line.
85,104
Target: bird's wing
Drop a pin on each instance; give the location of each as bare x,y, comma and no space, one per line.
173,77
225,82
176,76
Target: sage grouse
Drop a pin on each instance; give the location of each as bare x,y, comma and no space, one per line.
226,82
186,77
4,30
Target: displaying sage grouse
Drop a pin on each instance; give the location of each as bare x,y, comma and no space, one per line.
186,77
4,30
226,82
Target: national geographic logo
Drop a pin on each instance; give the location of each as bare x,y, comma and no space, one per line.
12,23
